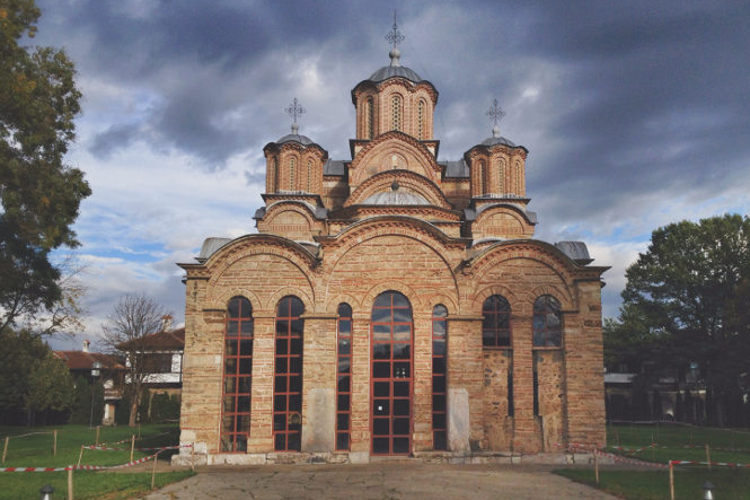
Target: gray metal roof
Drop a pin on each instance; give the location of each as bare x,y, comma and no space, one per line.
494,141
387,72
576,250
211,245
456,168
302,139
395,197
334,167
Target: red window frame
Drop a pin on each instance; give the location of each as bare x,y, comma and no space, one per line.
546,333
496,326
439,377
344,336
400,371
237,377
287,385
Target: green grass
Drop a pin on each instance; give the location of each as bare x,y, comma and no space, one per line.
36,451
674,441
648,485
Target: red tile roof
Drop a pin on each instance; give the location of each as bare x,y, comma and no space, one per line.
172,340
79,360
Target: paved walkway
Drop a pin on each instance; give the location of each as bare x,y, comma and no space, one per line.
377,481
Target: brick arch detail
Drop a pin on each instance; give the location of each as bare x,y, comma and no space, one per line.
397,286
388,143
252,244
490,290
308,299
382,182
221,299
332,303
567,304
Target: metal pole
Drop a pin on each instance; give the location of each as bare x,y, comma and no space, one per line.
91,411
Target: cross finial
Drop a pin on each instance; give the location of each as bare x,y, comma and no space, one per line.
394,37
295,110
496,114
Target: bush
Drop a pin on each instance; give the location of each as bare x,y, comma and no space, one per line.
165,408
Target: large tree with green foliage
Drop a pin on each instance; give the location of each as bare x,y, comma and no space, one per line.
687,300
40,194
51,387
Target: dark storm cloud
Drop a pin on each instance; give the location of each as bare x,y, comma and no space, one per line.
114,138
645,95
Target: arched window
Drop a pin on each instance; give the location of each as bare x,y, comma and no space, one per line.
547,322
480,178
391,374
496,322
439,371
292,168
275,184
370,118
287,384
309,176
396,112
238,373
420,119
344,380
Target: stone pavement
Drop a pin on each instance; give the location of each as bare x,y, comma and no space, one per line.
377,481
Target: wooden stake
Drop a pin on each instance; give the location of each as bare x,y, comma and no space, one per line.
5,448
132,446
70,483
54,443
98,428
671,481
80,456
708,456
596,467
153,471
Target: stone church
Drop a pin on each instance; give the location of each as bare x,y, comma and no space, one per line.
391,304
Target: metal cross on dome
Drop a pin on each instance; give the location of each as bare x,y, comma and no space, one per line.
295,110
495,112
394,37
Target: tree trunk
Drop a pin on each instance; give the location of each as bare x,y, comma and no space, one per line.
133,410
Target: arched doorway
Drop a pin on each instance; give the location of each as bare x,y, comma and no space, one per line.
391,376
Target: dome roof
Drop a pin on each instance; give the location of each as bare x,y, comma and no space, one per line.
392,71
302,139
494,141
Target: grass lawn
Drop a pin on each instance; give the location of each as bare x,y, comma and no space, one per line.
36,451
647,485
679,442
674,442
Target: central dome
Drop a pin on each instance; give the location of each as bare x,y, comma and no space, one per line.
387,72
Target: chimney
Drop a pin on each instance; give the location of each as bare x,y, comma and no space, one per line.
166,322
86,345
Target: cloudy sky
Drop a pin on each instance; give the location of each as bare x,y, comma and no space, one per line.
636,114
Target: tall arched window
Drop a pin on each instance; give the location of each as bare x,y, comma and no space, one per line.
292,168
547,322
496,322
309,176
480,178
238,373
420,119
370,118
396,112
275,174
344,380
391,374
287,384
439,371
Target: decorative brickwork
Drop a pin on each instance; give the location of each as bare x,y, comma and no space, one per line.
392,223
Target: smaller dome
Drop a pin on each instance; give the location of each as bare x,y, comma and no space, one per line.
494,141
387,72
302,139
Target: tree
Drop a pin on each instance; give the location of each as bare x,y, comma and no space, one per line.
18,354
133,318
51,387
690,289
40,195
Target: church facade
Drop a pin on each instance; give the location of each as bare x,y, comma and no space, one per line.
391,304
